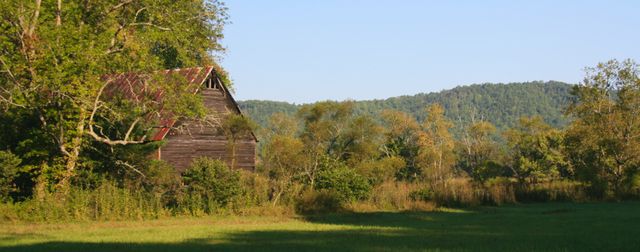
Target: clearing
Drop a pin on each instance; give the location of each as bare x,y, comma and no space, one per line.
527,227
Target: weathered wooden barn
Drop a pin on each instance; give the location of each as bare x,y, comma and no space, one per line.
186,141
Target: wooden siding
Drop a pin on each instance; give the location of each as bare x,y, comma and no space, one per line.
197,140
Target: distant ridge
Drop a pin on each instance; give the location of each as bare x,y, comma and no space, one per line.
500,104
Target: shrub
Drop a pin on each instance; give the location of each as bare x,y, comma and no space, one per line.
499,190
163,181
255,189
210,184
8,171
393,196
457,192
423,194
105,202
560,190
348,184
321,201
378,171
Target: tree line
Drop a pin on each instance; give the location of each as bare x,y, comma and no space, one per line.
330,146
500,104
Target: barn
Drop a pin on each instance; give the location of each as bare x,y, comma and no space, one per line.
193,139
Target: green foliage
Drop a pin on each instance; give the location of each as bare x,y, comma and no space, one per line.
603,141
317,202
236,127
498,104
105,202
560,190
478,154
381,170
9,168
57,60
401,136
423,194
346,182
436,156
536,151
162,180
212,183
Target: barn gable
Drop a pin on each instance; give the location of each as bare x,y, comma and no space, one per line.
187,140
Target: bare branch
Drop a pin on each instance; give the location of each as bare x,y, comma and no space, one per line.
131,127
130,166
97,104
58,13
34,20
150,24
119,5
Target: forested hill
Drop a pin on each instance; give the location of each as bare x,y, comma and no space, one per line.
501,104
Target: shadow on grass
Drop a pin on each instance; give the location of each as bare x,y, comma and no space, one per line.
488,229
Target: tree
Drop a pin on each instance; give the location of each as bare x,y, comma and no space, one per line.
57,58
436,154
477,151
283,155
324,125
536,151
236,127
9,168
604,139
401,140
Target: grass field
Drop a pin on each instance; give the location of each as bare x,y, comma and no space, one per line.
530,227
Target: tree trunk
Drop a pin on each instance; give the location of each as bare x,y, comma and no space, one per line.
73,155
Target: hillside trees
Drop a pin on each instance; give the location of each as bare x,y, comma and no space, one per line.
499,104
604,139
55,60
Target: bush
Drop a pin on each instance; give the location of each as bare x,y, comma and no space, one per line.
8,172
317,202
393,196
349,185
423,194
163,181
105,202
209,184
378,171
552,191
255,189
498,191
457,192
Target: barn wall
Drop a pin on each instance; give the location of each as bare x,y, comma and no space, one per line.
197,140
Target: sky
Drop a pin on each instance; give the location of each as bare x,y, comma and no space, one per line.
304,51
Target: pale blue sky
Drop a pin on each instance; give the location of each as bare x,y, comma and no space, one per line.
305,50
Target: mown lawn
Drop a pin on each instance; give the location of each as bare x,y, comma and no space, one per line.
530,227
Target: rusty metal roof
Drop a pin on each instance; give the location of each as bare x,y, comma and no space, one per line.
136,85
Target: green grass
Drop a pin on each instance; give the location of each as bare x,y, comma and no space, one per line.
530,227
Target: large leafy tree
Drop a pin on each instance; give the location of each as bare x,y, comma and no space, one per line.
283,155
436,155
604,139
56,56
401,136
536,151
478,152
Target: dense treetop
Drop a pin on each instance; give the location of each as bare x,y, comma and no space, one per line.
500,104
